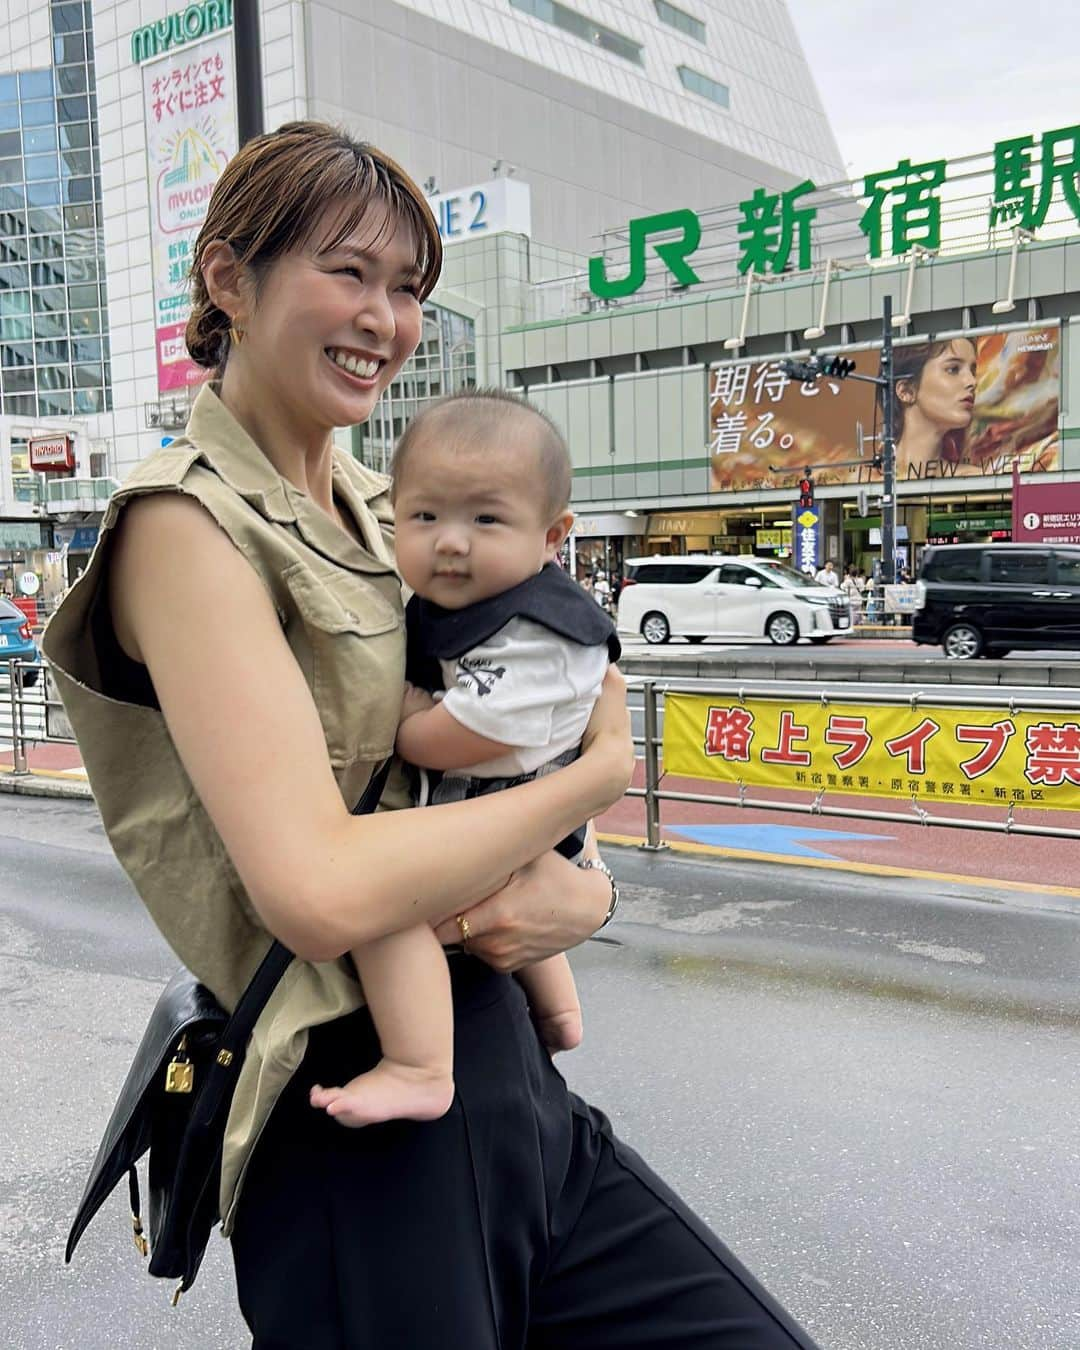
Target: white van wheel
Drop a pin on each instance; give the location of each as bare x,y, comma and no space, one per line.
782,629
655,628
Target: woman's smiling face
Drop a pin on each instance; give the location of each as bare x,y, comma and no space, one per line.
334,321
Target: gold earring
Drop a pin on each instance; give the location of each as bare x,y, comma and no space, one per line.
236,334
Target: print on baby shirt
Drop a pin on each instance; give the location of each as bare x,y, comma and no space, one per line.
478,674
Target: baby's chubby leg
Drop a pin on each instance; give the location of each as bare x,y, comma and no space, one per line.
407,987
553,1002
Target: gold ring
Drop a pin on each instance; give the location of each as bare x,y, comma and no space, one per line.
464,928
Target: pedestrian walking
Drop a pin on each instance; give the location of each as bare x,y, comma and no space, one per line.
828,575
602,591
517,1218
853,591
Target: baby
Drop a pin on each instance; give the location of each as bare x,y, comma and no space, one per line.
481,489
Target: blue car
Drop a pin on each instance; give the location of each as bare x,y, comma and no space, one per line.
16,644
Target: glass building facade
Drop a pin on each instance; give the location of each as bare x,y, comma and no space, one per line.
444,363
54,357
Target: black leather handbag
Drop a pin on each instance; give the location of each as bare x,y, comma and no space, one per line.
175,1103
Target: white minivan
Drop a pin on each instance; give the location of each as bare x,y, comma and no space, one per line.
709,595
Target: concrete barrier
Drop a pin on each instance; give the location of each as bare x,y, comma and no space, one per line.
899,669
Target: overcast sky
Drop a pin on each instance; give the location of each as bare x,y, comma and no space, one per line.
929,79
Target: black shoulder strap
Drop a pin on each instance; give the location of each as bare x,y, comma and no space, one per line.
274,964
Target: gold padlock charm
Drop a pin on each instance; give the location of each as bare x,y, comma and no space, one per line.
180,1072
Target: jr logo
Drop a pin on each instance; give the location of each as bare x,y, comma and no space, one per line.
672,253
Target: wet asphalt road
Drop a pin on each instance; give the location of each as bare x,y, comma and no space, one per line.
869,1091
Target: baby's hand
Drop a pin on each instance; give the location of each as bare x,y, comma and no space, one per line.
414,701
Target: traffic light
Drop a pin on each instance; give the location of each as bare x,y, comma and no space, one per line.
806,492
839,367
803,371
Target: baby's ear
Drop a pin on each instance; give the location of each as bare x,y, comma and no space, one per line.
557,531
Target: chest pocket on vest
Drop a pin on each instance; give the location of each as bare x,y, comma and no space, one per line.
352,649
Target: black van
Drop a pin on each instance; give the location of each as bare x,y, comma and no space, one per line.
987,599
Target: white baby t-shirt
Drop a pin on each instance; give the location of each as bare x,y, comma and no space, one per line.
526,687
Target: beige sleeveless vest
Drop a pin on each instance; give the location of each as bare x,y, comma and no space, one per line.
340,608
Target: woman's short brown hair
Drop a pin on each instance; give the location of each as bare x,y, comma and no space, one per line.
271,197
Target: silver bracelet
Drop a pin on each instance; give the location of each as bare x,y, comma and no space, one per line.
599,865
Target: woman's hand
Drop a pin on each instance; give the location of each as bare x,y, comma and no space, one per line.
608,735
545,908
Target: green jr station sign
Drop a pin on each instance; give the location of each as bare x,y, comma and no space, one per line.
176,30
903,202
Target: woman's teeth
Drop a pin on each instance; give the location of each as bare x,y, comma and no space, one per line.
355,365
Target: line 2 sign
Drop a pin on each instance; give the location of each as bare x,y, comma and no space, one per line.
484,208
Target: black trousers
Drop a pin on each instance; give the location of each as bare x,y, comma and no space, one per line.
517,1222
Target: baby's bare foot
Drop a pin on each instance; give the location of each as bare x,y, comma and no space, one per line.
560,1031
390,1091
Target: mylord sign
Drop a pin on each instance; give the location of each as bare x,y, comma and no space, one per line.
176,30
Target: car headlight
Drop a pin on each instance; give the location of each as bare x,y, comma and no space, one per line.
816,599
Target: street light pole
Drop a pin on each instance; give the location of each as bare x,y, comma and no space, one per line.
247,46
888,451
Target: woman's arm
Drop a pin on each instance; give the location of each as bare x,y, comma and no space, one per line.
241,716
547,906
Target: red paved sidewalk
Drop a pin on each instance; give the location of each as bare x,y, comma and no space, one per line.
909,846
1021,859
48,757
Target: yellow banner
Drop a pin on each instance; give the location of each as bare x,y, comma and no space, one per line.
935,754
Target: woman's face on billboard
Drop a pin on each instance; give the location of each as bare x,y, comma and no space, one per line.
945,391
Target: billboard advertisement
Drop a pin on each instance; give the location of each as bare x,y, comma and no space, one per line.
189,100
961,408
945,755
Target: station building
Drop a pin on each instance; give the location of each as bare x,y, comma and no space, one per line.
644,211
546,120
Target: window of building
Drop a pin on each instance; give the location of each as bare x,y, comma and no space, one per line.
69,48
35,84
71,79
55,353
54,357
67,18
570,21
38,114
444,362
54,404
41,166
14,276
39,140
678,18
701,84
75,136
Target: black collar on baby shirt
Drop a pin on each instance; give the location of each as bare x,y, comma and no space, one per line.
550,599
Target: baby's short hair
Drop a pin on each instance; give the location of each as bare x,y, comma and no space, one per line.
476,418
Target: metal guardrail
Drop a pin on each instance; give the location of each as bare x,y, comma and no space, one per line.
32,714
930,697
37,715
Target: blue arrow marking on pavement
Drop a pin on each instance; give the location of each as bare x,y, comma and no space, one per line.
783,839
